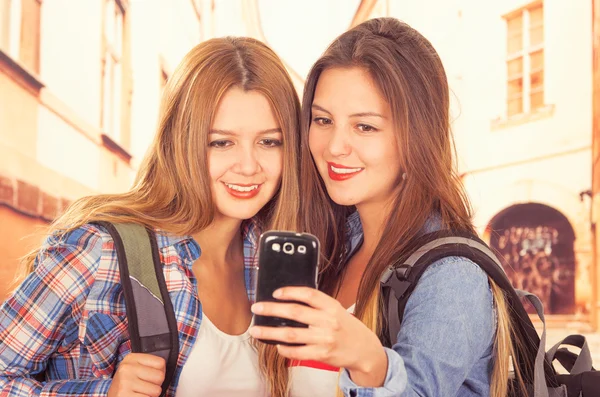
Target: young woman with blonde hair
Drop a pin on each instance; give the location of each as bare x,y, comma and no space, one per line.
222,167
377,173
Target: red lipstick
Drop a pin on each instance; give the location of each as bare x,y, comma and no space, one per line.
338,172
242,194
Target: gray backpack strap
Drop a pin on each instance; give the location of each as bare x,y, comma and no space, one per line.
540,388
582,362
399,281
539,381
151,319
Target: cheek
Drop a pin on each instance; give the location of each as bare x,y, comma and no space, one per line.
218,164
316,143
380,153
272,163
390,159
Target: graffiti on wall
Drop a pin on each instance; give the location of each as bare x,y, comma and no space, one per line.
537,247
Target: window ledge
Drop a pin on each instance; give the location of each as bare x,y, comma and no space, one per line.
522,118
20,73
116,148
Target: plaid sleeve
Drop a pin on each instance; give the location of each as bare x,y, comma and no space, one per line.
35,319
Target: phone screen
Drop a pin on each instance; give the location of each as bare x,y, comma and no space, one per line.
285,259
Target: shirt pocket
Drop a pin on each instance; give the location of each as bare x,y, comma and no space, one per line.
103,337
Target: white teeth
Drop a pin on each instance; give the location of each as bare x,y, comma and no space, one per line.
241,188
344,170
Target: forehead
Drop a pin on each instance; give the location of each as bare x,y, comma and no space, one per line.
244,111
349,90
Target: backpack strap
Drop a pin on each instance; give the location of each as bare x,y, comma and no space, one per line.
151,319
399,281
574,363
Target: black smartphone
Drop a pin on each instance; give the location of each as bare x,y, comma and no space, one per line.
285,259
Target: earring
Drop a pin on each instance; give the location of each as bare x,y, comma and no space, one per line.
404,176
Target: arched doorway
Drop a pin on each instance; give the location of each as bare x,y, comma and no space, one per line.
537,243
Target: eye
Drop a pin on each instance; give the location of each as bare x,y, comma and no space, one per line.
322,121
366,128
220,143
270,142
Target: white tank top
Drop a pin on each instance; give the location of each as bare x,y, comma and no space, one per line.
221,365
312,378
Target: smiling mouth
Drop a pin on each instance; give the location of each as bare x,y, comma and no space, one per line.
341,173
345,170
241,188
242,191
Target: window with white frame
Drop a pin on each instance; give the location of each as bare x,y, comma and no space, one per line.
525,59
20,32
112,69
4,24
10,27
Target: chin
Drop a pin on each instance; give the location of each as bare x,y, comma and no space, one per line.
343,200
238,209
237,214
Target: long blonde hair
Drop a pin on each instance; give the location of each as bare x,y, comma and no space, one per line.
411,77
172,188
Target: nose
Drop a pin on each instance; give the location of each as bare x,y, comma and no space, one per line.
339,143
247,161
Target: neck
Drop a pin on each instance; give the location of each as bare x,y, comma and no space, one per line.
372,225
221,242
373,218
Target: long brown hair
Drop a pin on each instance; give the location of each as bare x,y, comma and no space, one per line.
172,188
410,76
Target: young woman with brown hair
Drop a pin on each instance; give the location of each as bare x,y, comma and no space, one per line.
223,166
377,172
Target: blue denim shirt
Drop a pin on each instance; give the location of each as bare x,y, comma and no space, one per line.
445,343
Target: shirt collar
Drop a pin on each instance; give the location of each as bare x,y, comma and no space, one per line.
189,250
354,230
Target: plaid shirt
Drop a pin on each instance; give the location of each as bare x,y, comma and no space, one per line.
67,319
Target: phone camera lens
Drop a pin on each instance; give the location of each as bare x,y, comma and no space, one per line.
288,248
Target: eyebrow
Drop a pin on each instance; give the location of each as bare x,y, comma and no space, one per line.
361,114
263,132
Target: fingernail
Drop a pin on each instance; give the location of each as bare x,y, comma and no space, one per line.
278,293
256,308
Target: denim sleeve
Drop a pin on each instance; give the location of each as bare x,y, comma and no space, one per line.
448,326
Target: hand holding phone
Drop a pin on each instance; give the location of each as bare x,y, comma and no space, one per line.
285,259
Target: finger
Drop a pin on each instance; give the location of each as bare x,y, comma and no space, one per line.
152,375
150,360
310,296
146,388
292,311
292,334
135,394
308,352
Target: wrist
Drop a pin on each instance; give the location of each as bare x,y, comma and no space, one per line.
372,371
